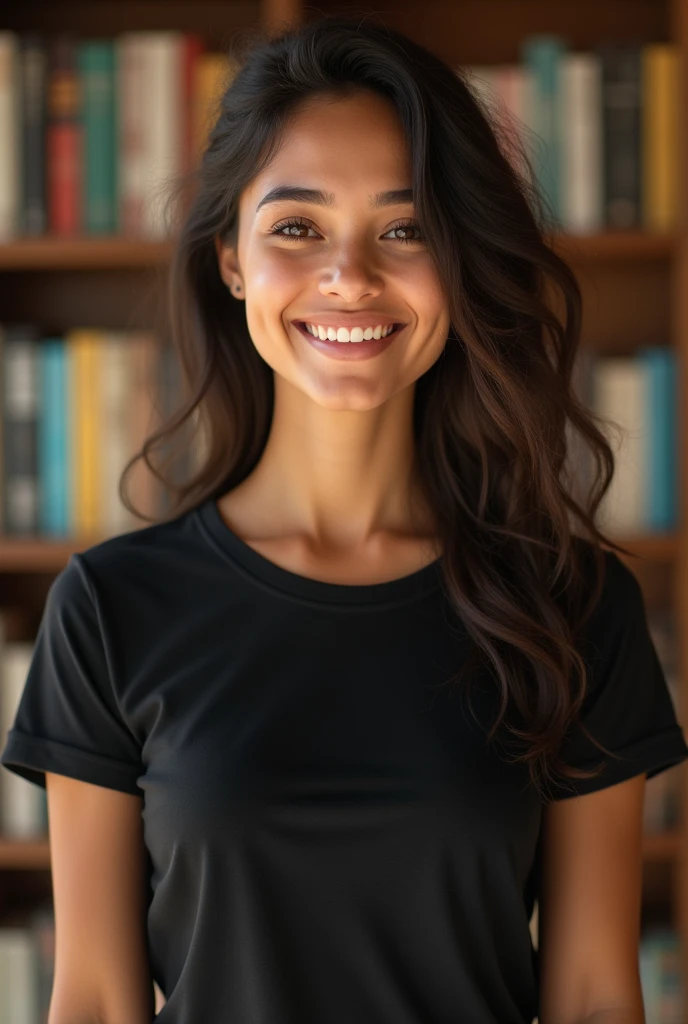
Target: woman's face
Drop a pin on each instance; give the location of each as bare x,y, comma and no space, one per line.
346,261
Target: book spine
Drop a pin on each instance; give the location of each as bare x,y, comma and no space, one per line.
621,399
145,416
164,67
192,49
115,449
53,465
18,996
581,143
33,70
660,366
621,121
662,127
22,801
132,144
542,55
97,70
64,138
85,436
10,150
212,74
20,411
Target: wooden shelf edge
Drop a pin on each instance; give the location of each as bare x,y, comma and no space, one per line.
113,251
106,252
24,854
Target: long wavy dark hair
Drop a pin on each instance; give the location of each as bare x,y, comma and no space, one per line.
495,414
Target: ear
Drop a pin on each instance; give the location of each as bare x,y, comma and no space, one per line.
228,267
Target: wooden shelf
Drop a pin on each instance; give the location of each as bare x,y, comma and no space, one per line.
616,245
24,854
108,252
102,253
39,555
35,555
655,547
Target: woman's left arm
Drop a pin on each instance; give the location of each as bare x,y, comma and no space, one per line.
589,907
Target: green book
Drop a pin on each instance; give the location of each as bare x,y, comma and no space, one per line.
99,118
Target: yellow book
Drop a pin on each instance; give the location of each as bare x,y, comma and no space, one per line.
661,136
214,72
84,353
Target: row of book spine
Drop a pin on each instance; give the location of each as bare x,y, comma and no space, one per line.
635,397
75,409
93,131
23,803
603,128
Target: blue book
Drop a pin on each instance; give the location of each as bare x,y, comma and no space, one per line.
53,450
542,55
660,365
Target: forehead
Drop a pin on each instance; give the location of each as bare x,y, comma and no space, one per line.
342,145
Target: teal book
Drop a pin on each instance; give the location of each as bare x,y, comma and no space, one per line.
542,54
660,366
97,74
53,444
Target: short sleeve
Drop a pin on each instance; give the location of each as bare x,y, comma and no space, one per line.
68,720
628,705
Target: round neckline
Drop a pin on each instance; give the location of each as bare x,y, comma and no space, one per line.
404,588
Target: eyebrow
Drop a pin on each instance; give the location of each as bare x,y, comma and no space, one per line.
297,194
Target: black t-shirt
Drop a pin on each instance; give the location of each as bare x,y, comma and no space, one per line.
330,838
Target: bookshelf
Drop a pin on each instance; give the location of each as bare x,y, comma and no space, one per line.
634,282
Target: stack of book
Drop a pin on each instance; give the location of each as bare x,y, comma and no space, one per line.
73,410
94,133
636,399
603,129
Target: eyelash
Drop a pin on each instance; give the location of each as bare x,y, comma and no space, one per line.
297,221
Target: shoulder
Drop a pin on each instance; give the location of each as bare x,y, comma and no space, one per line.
144,550
620,593
617,626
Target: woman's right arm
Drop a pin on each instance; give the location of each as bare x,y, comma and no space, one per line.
102,974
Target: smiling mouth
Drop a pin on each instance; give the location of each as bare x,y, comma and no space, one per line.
301,324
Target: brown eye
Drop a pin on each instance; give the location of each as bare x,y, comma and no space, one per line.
293,222
407,226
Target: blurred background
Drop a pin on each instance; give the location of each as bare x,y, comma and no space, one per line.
103,104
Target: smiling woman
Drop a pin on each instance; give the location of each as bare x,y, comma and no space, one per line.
305,678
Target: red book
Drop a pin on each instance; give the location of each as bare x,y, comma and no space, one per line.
64,157
193,48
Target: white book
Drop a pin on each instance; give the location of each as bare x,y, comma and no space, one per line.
620,390
22,803
116,368
18,976
10,148
514,83
162,103
482,79
581,168
131,142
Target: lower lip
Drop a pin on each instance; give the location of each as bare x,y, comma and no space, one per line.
351,349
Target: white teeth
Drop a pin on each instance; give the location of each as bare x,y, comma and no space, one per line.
342,334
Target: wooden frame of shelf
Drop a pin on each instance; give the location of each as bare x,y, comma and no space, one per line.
38,257
113,252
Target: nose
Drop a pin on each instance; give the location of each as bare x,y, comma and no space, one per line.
352,277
